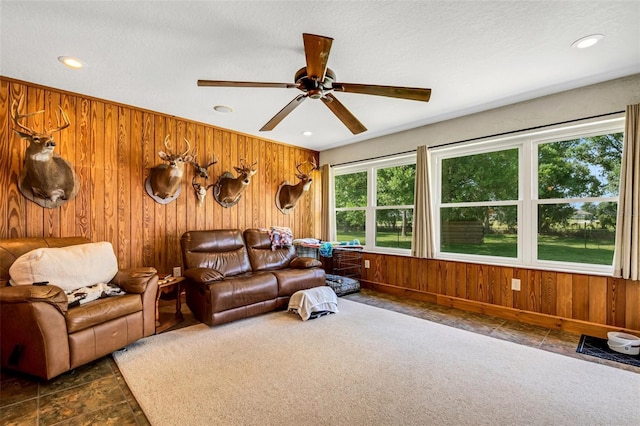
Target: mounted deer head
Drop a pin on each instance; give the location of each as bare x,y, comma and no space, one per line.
46,178
201,173
288,195
164,181
228,190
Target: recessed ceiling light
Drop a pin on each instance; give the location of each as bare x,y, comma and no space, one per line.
307,133
587,41
223,109
70,62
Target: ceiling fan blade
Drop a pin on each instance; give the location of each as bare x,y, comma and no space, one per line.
316,50
412,93
283,113
343,114
220,83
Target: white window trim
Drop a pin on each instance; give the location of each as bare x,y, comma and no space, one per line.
371,167
527,193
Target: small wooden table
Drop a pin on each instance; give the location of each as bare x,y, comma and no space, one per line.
166,286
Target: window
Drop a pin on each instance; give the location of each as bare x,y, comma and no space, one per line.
478,214
577,198
374,203
543,200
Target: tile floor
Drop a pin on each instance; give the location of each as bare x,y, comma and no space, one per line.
97,393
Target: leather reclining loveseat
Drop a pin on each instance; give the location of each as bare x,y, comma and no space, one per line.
229,277
44,337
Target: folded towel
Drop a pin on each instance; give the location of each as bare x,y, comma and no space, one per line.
317,299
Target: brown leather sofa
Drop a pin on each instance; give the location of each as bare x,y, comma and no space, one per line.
43,337
233,275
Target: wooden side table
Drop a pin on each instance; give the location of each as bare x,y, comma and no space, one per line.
166,286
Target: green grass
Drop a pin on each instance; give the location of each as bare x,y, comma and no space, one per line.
503,245
550,247
573,250
383,239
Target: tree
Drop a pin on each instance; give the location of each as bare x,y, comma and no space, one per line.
491,176
351,191
585,167
605,152
395,186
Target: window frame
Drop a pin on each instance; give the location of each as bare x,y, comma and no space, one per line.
528,201
371,167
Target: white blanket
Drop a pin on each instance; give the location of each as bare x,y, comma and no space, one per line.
69,268
316,299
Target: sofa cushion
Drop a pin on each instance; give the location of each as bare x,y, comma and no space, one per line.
242,290
222,250
203,275
261,253
102,310
305,263
13,248
292,280
69,267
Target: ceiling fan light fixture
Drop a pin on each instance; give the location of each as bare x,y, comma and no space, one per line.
316,80
587,41
70,62
223,109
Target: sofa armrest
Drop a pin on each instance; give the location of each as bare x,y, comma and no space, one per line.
304,263
203,275
33,330
134,280
50,294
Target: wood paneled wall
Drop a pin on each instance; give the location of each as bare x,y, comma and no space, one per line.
112,147
574,302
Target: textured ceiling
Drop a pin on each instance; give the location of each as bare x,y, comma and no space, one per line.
473,55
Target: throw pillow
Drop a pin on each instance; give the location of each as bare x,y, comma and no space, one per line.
69,268
280,237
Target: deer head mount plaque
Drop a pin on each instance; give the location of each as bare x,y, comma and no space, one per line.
165,180
228,190
46,178
200,178
288,195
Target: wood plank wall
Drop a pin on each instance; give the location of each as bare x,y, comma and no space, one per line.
112,147
574,302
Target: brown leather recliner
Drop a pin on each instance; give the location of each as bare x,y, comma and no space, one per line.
230,277
43,337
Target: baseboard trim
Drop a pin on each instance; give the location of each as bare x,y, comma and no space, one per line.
527,317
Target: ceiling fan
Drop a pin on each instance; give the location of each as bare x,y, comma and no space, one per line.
316,81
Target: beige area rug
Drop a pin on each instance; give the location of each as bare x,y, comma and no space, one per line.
366,366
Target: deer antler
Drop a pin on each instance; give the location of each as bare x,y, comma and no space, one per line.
166,144
244,167
314,166
202,170
16,116
215,160
66,123
188,148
